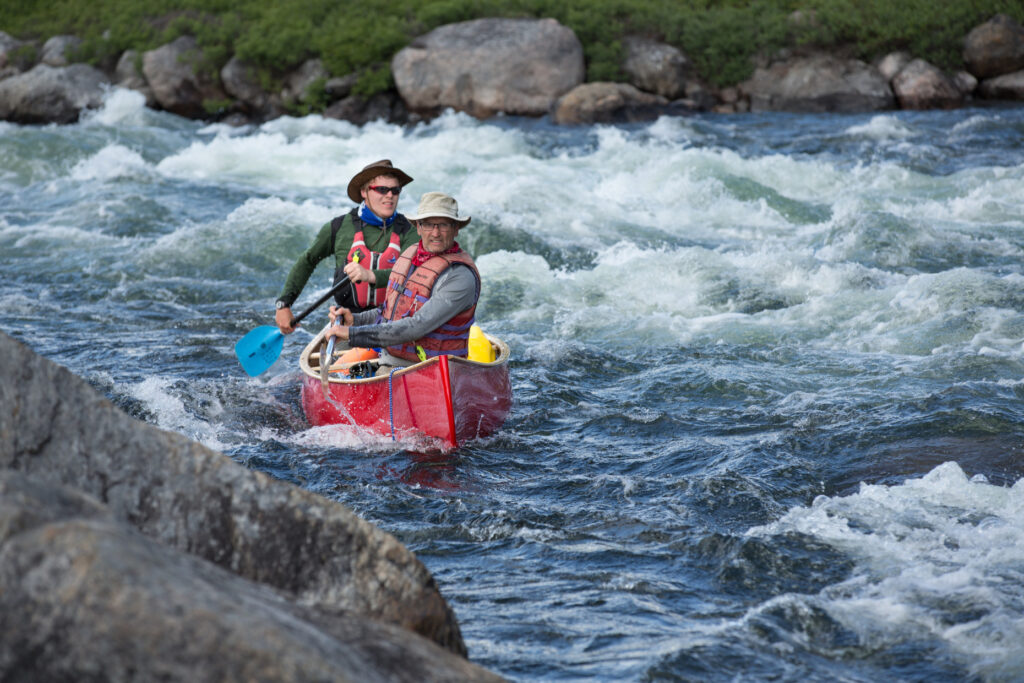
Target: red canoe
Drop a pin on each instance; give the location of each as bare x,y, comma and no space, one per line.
447,398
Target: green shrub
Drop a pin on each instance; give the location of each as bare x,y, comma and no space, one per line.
24,56
721,37
350,42
314,99
373,80
214,107
925,28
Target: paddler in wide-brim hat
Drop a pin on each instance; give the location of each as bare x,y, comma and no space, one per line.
432,296
365,242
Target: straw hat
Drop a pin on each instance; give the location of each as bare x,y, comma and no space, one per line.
438,204
370,172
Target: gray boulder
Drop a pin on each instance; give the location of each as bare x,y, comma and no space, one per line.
995,47
965,82
656,67
1005,87
297,83
179,83
385,106
127,75
607,103
486,66
8,43
242,82
920,85
892,64
56,50
820,83
85,597
340,87
47,94
58,430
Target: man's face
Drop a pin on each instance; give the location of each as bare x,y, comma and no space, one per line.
437,233
384,205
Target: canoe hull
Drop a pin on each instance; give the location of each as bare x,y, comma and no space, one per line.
449,399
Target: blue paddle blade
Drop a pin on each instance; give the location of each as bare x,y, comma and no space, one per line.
258,350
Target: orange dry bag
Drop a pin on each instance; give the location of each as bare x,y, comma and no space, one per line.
351,357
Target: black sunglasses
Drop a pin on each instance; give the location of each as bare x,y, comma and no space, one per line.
384,189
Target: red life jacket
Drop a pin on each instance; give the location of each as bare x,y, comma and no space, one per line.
408,291
372,260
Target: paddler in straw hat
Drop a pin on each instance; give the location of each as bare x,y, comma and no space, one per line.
431,296
365,244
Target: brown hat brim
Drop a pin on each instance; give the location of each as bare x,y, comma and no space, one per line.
377,168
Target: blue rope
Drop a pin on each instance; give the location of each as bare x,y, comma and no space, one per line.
391,405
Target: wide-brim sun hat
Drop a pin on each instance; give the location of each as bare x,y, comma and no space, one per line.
439,205
377,168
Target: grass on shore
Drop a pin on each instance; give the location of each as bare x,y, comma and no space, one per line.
721,37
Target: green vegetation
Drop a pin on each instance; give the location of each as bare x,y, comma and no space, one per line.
720,36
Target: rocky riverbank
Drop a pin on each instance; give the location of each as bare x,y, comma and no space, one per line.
128,552
531,67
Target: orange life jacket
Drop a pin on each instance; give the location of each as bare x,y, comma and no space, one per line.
372,260
409,288
347,296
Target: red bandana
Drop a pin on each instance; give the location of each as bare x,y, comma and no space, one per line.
421,255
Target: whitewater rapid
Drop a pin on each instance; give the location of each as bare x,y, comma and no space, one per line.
768,368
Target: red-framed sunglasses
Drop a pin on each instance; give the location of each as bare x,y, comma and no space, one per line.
384,189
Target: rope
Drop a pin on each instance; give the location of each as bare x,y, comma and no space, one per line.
391,405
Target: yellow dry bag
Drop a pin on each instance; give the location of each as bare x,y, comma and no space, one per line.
480,348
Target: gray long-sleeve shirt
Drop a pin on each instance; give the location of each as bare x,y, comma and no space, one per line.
456,290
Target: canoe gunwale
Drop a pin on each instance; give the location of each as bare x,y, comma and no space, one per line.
310,366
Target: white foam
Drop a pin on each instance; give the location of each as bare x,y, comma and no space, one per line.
882,127
170,412
745,247
700,242
120,107
938,558
272,210
973,122
352,437
112,162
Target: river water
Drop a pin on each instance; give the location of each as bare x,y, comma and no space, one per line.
767,368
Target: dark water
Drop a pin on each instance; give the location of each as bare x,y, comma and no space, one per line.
767,369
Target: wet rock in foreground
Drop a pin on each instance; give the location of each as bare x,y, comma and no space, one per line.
130,534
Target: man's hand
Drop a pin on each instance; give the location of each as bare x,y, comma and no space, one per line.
356,273
283,319
343,313
339,331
